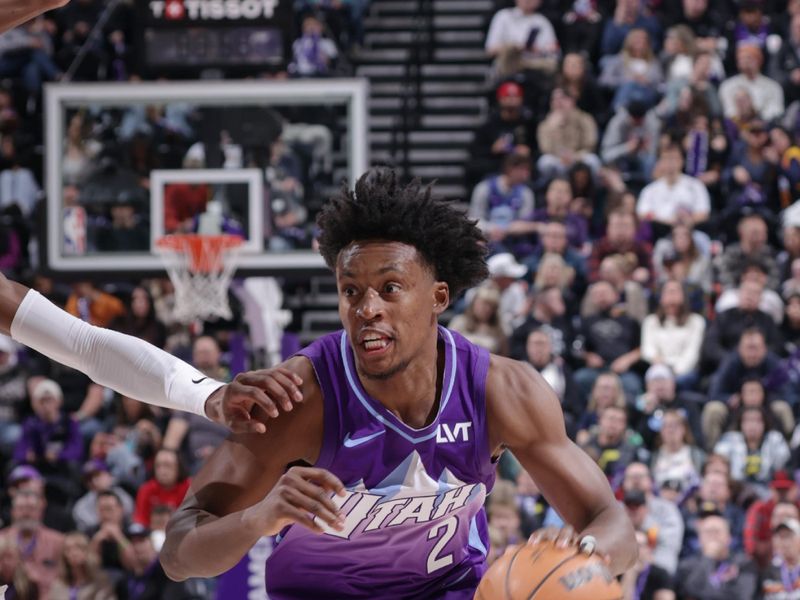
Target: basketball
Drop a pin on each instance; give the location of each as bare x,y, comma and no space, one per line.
544,572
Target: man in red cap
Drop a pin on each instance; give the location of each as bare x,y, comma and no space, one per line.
510,129
757,531
509,89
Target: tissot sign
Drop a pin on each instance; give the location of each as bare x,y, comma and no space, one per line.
240,36
213,10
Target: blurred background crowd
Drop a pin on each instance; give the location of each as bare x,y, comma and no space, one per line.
637,185
636,180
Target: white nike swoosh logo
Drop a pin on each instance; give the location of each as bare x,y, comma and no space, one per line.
353,442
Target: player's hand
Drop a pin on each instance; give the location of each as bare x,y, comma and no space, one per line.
269,389
564,537
302,495
561,538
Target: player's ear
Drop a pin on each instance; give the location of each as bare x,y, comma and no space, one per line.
441,297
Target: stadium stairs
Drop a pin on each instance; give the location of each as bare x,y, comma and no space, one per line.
445,39
424,106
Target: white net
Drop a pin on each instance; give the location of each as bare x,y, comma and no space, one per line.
201,268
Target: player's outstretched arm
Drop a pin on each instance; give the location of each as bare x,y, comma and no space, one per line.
139,370
525,416
17,12
11,296
242,492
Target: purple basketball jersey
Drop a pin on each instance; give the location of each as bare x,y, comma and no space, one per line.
415,525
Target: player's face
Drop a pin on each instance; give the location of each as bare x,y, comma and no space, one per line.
389,302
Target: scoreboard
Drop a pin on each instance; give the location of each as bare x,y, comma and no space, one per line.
183,37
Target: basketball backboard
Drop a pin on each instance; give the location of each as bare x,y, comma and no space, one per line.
118,153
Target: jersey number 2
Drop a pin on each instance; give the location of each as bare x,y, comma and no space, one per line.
435,561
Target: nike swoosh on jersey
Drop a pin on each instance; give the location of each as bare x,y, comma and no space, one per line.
201,380
353,442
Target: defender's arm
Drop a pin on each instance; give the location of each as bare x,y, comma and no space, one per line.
139,370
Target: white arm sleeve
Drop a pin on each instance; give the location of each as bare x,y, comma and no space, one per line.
121,362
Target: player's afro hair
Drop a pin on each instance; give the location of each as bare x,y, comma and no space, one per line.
381,208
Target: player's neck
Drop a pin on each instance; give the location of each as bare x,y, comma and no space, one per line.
413,393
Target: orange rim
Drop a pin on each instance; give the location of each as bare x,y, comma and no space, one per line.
205,252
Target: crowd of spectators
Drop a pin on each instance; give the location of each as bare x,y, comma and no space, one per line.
637,185
636,182
90,479
109,153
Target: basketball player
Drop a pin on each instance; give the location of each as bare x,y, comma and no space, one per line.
403,421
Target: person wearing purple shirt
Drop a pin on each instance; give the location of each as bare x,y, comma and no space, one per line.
51,439
403,421
557,200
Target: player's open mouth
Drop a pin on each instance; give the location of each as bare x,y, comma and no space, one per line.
375,344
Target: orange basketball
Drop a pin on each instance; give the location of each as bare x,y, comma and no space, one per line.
544,572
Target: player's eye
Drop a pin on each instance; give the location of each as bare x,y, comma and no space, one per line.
349,291
391,288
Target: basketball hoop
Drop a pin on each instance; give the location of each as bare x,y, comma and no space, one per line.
201,268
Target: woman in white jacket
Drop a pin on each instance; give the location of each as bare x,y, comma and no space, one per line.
673,335
755,450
